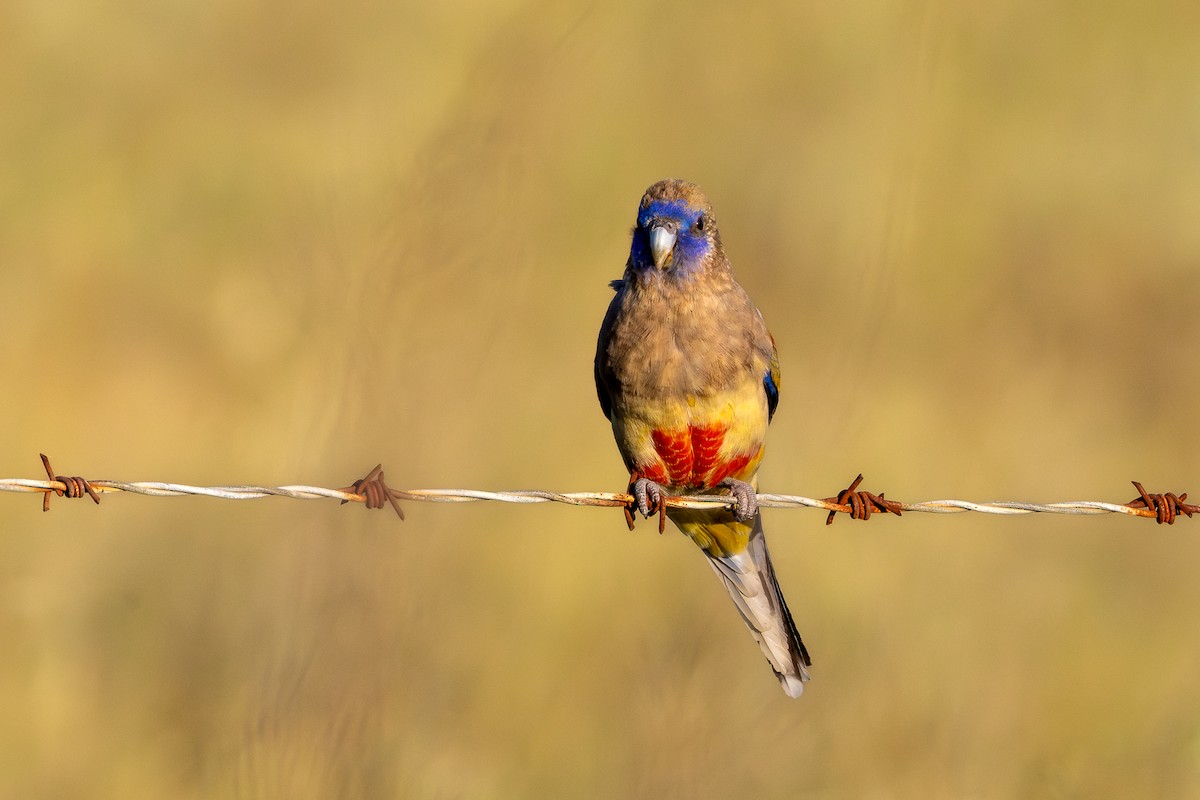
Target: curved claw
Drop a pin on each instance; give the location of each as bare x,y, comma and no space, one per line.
649,500
745,499
649,496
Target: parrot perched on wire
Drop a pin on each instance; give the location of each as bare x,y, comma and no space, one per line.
688,375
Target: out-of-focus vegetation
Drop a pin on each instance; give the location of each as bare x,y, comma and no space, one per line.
278,242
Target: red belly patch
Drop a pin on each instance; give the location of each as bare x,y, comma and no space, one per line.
690,458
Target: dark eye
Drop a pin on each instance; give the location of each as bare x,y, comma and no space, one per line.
700,222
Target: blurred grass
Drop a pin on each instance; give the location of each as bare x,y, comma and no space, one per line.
276,243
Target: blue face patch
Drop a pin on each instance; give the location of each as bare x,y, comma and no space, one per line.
691,245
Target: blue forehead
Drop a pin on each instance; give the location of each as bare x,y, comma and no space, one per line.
690,248
672,209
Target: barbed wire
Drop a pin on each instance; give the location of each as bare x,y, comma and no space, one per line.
375,493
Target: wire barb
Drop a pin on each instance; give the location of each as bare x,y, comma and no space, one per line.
861,504
68,486
1166,507
374,491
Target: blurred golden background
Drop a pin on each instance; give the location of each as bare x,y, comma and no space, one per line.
276,243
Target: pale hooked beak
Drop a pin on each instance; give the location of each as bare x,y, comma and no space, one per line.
662,242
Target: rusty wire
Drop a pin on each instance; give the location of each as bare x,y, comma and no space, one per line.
71,487
375,493
862,503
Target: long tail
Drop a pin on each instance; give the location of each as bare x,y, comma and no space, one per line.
749,577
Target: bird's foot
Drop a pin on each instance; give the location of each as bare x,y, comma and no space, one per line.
745,504
648,498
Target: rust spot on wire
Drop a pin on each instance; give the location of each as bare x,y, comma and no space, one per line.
861,504
72,487
1166,507
374,491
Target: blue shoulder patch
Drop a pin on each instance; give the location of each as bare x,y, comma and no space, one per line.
772,394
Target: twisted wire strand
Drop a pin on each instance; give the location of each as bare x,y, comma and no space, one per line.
603,499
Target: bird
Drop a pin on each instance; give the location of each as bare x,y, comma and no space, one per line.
688,375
